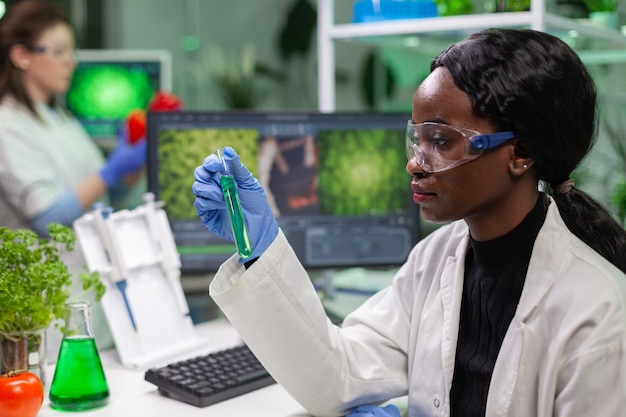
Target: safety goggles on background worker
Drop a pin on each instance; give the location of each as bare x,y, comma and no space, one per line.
438,147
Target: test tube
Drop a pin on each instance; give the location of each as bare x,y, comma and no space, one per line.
235,212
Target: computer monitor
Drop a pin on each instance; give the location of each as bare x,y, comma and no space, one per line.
336,182
109,83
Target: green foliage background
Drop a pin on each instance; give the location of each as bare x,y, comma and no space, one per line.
180,152
362,172
618,199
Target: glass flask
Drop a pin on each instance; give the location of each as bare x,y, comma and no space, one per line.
79,382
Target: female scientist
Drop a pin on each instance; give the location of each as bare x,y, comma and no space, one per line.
50,170
516,307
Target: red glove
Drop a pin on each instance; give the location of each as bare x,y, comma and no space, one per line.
136,120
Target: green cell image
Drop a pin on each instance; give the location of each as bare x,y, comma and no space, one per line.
181,151
362,172
108,92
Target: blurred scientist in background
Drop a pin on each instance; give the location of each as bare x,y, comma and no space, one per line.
50,169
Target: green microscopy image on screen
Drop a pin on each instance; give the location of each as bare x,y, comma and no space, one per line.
362,172
181,151
108,92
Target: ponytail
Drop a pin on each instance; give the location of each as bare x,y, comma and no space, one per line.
593,224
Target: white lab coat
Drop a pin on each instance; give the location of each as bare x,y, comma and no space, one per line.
40,159
563,354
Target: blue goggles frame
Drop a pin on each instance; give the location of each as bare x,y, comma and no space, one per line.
436,160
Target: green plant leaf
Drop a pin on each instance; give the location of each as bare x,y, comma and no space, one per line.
618,199
34,281
602,5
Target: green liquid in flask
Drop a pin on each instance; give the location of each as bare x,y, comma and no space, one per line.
79,382
235,213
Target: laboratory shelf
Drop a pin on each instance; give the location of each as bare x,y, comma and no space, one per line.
426,25
467,24
595,44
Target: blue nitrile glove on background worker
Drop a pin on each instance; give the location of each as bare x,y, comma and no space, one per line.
375,411
123,160
211,208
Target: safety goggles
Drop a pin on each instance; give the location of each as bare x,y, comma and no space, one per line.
438,147
58,52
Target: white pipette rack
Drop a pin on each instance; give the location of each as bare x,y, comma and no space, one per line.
145,306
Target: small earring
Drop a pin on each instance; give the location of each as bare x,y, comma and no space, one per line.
525,166
24,65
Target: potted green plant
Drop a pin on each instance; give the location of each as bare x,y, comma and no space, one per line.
604,12
34,287
234,73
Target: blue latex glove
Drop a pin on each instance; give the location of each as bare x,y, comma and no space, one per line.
375,411
211,208
123,160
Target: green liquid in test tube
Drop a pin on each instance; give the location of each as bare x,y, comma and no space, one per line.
235,212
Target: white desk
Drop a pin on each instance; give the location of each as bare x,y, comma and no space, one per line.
130,395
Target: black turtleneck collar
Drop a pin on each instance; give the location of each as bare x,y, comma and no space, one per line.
508,252
495,272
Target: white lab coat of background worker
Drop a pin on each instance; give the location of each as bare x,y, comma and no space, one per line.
37,174
50,169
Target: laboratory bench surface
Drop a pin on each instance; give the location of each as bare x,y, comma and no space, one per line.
130,395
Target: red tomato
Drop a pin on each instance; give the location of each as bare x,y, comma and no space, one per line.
164,101
136,125
21,394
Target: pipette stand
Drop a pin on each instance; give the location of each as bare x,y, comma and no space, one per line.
144,304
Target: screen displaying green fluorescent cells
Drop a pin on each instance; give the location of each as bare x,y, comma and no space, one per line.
108,92
105,89
335,182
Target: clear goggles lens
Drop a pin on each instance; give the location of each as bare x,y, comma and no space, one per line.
438,147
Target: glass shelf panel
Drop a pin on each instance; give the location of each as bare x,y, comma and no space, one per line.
431,35
461,25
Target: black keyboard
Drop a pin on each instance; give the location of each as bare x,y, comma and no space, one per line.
208,379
